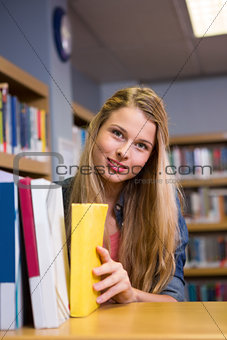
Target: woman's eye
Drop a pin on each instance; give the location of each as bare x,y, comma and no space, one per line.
117,133
142,146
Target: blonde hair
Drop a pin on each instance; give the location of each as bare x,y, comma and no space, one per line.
150,233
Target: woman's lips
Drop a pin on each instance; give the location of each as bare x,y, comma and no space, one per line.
115,165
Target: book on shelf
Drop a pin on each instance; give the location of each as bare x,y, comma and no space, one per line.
45,253
3,116
22,127
201,290
206,251
11,291
87,230
31,251
52,252
199,161
205,205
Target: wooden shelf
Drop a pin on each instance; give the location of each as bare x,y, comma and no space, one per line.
21,84
207,227
189,272
25,164
199,139
82,113
210,182
215,180
35,93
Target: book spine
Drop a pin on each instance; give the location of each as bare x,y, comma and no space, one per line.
4,90
1,124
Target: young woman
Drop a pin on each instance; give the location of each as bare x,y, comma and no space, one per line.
127,167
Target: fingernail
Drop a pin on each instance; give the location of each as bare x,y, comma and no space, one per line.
99,299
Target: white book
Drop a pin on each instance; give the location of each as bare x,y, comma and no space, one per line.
45,256
58,237
53,269
7,306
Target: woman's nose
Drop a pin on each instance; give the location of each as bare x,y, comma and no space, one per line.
123,150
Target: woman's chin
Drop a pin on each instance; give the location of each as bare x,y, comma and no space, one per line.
115,178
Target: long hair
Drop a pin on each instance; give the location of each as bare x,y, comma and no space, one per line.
150,232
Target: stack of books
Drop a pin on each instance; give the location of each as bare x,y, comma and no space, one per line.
22,127
32,222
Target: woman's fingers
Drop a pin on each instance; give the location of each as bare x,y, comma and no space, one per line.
115,282
111,292
109,281
104,254
107,268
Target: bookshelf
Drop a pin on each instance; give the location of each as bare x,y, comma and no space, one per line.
207,227
35,93
81,115
201,272
216,181
211,182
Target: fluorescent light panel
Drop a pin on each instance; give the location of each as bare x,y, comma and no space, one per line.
208,18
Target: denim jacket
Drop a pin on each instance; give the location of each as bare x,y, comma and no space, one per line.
175,287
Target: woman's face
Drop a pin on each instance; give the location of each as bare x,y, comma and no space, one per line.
124,144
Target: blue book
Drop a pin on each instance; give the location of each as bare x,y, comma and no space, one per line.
203,293
192,292
23,126
14,123
28,127
11,302
83,137
7,233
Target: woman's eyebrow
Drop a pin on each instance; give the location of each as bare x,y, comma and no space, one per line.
122,129
145,141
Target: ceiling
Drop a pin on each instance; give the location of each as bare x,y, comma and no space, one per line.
142,40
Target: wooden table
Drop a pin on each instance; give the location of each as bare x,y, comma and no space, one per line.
185,320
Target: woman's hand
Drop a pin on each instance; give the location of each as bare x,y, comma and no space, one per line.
116,284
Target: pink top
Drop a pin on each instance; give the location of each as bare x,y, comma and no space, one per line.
114,245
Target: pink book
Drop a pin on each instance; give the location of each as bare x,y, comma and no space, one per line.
31,251
29,227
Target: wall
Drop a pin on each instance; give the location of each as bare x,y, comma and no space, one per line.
24,41
85,91
108,89
27,41
194,106
61,91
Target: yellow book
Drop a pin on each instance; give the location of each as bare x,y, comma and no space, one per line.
88,221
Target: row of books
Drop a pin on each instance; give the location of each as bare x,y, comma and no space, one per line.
200,291
202,162
22,127
206,251
205,205
37,243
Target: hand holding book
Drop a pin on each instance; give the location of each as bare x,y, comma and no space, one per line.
116,282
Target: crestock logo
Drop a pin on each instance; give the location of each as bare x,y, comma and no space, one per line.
97,169
62,170
172,170
185,170
16,170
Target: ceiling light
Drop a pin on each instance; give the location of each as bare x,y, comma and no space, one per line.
208,17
